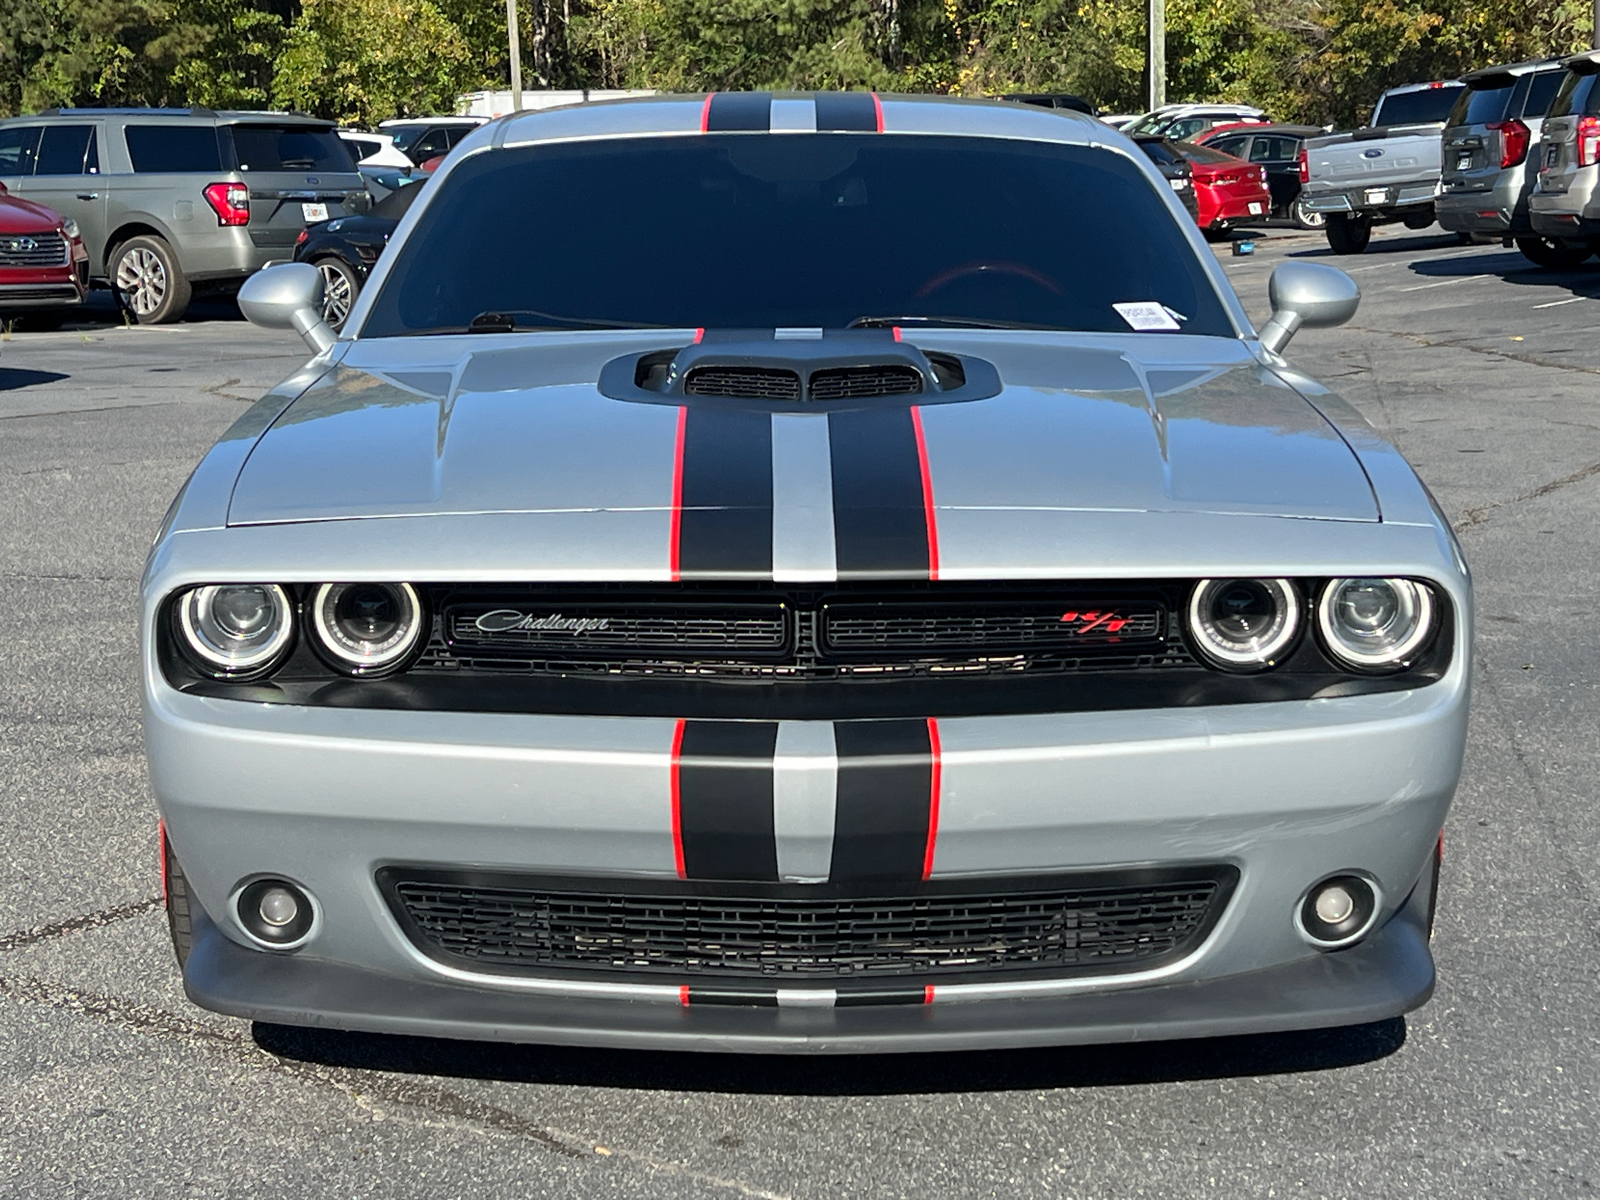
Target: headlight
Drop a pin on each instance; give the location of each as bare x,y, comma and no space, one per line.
1375,624
235,628
366,627
1244,624
69,227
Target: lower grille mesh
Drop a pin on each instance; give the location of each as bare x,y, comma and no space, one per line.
1100,928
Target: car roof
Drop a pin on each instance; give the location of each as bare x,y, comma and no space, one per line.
1585,63
1422,87
1493,77
433,121
1249,129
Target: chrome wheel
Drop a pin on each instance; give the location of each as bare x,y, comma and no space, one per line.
338,293
1307,219
142,279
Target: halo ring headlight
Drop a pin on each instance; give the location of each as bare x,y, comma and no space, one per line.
1244,624
366,627
1375,624
232,629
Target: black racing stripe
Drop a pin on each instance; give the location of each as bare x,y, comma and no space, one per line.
849,111
880,824
736,111
725,800
726,527
879,522
760,999
876,996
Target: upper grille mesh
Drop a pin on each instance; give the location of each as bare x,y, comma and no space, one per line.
1049,928
759,383
47,250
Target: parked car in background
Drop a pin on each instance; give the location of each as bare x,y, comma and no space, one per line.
1490,155
1052,100
1565,205
373,149
44,269
1386,172
1227,190
1173,166
1119,120
168,200
1276,150
1183,121
422,138
343,250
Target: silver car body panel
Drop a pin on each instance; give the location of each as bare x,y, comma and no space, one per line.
1566,200
461,459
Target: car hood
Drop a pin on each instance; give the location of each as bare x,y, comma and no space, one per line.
23,216
1136,424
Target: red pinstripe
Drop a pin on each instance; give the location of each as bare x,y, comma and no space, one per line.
877,108
705,115
929,516
683,994
677,808
935,773
161,839
675,533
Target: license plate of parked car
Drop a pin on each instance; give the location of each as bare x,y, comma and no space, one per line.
314,212
1377,195
1255,209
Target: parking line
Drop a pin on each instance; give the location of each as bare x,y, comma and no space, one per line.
1422,287
1559,303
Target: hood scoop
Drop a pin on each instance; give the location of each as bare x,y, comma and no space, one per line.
839,370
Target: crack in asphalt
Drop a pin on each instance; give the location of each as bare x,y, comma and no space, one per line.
1478,514
69,578
1463,344
433,1106
91,920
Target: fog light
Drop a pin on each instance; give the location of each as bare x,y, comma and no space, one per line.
275,912
1338,912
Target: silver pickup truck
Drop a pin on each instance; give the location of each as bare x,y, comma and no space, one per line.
1386,172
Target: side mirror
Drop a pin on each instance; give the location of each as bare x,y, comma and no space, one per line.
288,296
1308,294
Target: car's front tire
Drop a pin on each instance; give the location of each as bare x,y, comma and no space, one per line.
180,923
340,287
1347,234
1554,254
149,281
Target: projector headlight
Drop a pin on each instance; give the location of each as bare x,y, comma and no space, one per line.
1375,624
1244,624
366,627
232,629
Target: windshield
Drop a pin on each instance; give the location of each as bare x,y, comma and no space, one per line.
290,148
748,231
1417,108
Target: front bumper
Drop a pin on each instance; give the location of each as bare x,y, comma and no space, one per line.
1288,793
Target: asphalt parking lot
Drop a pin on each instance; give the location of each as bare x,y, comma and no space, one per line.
1485,371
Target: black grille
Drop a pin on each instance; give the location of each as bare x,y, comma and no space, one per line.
585,627
55,292
758,383
960,628
1094,924
32,250
856,383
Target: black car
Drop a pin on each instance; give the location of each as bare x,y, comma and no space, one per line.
1276,148
1170,161
345,249
1053,100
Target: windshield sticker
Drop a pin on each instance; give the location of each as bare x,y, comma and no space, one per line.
1146,317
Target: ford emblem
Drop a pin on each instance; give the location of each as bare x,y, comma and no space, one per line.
1372,154
314,179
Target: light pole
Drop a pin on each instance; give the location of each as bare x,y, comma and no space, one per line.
516,54
1156,53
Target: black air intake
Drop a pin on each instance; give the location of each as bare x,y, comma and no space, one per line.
755,383
857,383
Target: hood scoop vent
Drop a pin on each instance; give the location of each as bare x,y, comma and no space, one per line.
850,369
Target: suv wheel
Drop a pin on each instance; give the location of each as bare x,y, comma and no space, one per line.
1347,234
340,287
145,273
1554,254
1307,219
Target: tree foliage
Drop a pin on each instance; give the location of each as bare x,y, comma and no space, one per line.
363,60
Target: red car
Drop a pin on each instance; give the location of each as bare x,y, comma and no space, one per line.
1228,189
43,265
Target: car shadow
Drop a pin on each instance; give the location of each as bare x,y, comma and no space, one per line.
1512,267
1385,246
13,378
100,310
843,1075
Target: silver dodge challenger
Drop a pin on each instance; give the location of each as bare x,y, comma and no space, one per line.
775,572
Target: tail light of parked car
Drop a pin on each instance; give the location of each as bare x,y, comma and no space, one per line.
1305,165
231,203
1514,138
1588,141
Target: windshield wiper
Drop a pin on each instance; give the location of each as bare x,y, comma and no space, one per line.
955,322
511,320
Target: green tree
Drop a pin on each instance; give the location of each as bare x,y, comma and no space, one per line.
361,61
